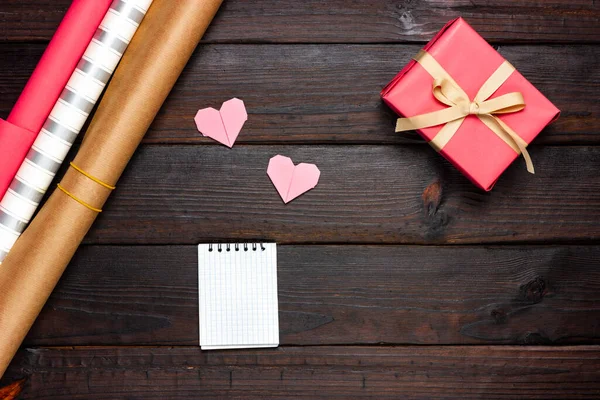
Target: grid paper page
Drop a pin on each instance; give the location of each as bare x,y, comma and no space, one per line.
238,296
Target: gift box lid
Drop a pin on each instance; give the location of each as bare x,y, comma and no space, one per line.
475,150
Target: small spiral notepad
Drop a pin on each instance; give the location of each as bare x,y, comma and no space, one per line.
238,295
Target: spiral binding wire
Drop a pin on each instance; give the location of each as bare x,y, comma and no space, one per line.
237,246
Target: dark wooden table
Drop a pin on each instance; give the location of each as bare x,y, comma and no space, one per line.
397,277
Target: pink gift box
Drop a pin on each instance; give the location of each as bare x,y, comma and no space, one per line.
475,150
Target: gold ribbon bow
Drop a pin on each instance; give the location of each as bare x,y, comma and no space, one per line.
447,91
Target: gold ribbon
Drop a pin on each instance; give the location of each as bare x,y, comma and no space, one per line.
448,92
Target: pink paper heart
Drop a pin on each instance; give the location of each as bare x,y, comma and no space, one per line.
223,125
292,180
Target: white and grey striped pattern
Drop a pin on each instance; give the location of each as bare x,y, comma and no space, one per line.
67,118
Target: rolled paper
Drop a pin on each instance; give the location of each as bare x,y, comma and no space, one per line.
46,84
156,56
67,118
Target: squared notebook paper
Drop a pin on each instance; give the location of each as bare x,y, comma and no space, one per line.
237,286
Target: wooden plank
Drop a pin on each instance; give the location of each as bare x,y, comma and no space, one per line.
339,21
147,295
330,93
367,194
489,372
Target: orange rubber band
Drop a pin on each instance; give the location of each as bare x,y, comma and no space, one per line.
83,203
98,181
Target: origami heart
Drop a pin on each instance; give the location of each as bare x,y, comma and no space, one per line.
292,180
222,125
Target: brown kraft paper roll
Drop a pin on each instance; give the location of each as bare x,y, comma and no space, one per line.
156,56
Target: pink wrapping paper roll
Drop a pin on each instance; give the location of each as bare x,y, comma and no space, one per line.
46,83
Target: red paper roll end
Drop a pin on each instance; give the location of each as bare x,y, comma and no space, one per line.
15,142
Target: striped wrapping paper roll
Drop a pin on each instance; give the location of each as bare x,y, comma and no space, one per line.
46,83
67,118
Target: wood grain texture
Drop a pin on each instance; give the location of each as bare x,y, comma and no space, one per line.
311,94
366,194
490,372
340,21
361,314
145,295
